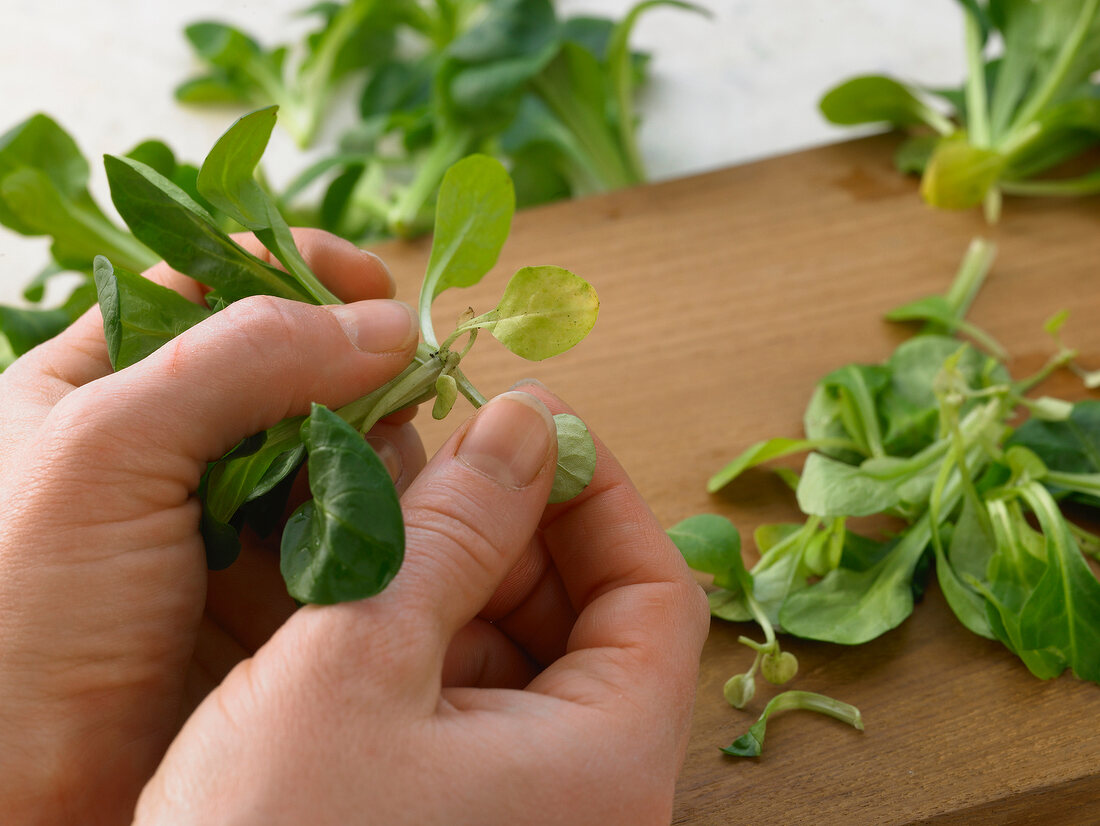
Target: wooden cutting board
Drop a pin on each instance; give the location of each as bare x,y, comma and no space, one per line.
724,298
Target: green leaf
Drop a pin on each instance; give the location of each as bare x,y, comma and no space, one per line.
914,153
472,220
485,68
966,560
574,88
227,176
138,315
832,488
576,458
22,329
712,544
1014,571
38,143
544,311
348,542
765,451
854,607
937,310
879,99
221,45
959,176
1063,612
1069,446
171,223
227,180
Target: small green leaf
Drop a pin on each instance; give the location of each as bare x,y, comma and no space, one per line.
764,452
832,488
712,544
576,458
472,219
544,312
139,316
227,177
879,99
779,667
348,542
960,175
913,155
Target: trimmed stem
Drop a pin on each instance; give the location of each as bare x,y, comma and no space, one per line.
970,276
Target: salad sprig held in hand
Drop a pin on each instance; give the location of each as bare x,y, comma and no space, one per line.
1021,113
348,541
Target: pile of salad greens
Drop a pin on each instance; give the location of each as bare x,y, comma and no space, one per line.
440,80
926,438
1028,105
347,542
553,99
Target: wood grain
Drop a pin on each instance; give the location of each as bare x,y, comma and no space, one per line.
724,297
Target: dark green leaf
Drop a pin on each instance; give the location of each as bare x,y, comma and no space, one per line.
348,542
172,224
1070,446
914,153
139,315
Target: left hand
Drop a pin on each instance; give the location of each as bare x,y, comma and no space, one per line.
111,631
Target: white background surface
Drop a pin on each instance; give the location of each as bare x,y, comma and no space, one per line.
740,86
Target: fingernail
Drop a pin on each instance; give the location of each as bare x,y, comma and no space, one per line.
383,267
378,326
509,440
390,455
528,383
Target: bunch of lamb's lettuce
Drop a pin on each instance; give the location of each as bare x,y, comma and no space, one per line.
441,80
1029,104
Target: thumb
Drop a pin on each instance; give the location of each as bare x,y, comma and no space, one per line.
240,371
470,515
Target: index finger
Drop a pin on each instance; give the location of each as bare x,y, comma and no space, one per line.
78,355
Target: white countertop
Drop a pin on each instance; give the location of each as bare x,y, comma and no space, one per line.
739,86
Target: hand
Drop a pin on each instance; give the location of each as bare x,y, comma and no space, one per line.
110,632
529,664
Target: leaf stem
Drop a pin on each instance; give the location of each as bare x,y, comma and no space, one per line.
1058,71
451,146
977,99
